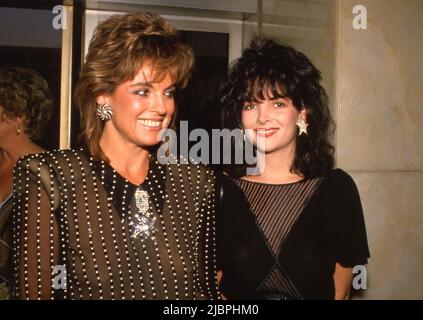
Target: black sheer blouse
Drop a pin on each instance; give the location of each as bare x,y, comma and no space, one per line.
82,231
283,241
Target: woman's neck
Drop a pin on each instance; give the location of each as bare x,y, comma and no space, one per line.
10,151
129,160
22,145
277,168
6,176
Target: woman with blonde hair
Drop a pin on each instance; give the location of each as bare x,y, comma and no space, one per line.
113,221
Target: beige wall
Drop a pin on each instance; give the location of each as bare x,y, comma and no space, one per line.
374,78
309,26
379,137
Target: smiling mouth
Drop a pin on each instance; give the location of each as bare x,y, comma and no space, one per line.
266,132
151,124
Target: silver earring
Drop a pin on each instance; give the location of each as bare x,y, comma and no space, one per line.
104,111
302,125
243,134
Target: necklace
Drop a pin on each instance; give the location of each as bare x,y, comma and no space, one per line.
143,222
144,225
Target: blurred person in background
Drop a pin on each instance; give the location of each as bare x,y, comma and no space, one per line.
26,105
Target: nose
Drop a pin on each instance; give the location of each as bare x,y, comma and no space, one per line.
263,115
158,104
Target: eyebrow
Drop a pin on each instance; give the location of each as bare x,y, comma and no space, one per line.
269,98
145,84
149,85
276,97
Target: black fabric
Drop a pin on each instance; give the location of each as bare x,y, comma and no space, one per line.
242,251
74,212
330,229
5,244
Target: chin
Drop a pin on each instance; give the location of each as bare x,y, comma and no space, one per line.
269,149
149,142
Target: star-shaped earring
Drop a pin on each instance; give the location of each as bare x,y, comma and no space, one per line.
302,126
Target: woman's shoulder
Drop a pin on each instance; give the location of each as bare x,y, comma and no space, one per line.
32,162
49,162
338,189
340,179
339,173
52,169
50,157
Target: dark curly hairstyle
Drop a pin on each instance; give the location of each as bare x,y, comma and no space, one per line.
25,93
267,67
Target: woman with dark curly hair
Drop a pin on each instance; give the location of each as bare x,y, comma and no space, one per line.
26,106
296,230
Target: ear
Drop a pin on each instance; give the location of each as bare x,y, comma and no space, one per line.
6,118
103,99
20,121
2,114
303,114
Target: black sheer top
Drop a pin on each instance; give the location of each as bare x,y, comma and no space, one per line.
5,242
82,231
283,241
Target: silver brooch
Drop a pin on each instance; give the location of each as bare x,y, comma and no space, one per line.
145,222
